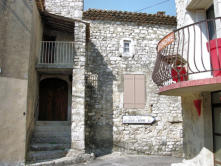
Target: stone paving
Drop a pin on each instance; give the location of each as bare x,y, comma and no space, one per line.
118,159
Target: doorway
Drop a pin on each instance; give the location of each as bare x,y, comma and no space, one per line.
216,103
210,14
49,50
53,100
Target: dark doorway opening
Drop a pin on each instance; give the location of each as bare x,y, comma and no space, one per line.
49,48
53,100
210,14
216,108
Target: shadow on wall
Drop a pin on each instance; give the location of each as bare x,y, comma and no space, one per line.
99,103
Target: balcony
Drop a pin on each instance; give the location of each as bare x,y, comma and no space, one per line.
56,55
189,57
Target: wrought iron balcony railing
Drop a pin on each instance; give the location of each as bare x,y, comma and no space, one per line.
189,53
56,54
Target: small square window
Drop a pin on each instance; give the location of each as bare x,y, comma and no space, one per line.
127,46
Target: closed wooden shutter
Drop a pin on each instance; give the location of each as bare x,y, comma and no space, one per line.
139,92
134,91
129,91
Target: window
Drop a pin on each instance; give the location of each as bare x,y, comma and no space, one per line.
127,46
134,91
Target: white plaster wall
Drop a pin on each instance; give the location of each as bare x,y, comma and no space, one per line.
197,129
12,120
217,8
15,53
198,139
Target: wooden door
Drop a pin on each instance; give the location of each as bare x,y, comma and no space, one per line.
53,100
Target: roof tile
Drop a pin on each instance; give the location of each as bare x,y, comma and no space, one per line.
96,14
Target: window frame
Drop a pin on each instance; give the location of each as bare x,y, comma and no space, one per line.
126,47
131,52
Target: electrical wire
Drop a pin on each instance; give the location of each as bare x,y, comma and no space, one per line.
148,7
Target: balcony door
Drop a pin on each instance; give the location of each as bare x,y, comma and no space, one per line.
216,100
53,100
210,14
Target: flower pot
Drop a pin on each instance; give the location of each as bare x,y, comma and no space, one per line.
214,47
179,74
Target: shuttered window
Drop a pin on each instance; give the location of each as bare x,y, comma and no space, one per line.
134,91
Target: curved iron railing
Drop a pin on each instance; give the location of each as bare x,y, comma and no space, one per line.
189,53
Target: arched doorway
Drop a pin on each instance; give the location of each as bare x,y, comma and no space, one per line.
53,100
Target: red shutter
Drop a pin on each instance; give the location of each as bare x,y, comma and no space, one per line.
128,91
139,91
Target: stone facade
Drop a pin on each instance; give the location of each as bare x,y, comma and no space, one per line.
105,68
97,83
70,8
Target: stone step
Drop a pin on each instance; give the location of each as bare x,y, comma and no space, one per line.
65,161
45,155
51,134
48,147
52,128
51,139
53,123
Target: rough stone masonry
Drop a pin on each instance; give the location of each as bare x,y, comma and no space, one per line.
104,67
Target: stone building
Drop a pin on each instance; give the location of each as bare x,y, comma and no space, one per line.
188,65
76,82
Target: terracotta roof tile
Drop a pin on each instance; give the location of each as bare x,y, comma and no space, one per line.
160,18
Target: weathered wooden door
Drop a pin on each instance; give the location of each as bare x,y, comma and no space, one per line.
53,100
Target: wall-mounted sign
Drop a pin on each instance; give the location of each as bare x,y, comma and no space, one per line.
167,40
138,119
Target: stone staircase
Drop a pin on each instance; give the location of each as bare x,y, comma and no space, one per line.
50,140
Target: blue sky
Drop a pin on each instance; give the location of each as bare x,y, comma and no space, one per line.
133,5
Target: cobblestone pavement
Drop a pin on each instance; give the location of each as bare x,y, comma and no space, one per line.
132,160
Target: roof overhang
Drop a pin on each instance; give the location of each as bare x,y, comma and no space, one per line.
58,22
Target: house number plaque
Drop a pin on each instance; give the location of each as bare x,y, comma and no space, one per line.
138,119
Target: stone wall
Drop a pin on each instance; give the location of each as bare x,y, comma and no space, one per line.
105,68
70,8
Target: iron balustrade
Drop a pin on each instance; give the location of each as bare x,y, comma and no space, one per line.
58,54
189,53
